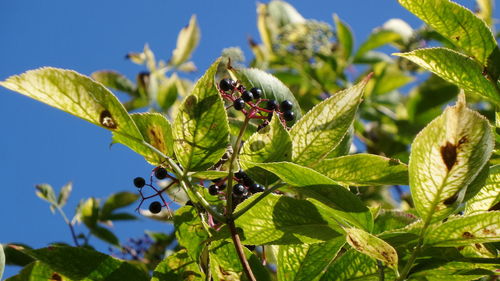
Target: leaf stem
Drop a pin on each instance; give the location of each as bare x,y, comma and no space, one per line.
70,224
251,204
415,252
232,160
240,251
186,185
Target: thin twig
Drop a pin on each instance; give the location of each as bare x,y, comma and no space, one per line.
239,250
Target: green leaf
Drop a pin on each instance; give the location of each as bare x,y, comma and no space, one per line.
115,80
235,127
116,201
76,94
372,246
282,13
177,267
2,261
392,219
270,144
105,235
455,68
485,11
455,271
344,37
209,175
446,156
46,192
200,130
352,265
323,127
121,217
82,263
36,271
488,196
64,194
294,174
89,212
377,39
167,92
341,204
280,220
302,262
15,256
460,231
387,77
187,40
225,264
156,130
464,29
272,88
364,170
189,231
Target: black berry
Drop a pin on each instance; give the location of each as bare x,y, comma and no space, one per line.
226,84
240,174
271,105
222,186
247,181
238,190
288,115
240,88
256,92
286,105
213,189
256,188
139,182
239,104
247,96
161,173
216,180
155,207
189,203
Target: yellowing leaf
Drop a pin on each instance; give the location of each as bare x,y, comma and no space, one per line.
187,41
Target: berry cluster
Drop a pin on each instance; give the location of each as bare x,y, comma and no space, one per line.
161,174
134,249
244,187
248,102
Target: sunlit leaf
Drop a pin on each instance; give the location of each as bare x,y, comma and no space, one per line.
283,220
464,29
351,265
189,231
114,80
455,68
64,194
76,94
303,262
82,263
270,144
225,264
178,267
344,37
200,130
342,204
156,130
488,197
116,201
187,41
294,174
364,169
479,228
446,157
46,192
37,271
372,246
324,126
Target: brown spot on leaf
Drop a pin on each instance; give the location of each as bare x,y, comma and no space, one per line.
460,248
467,235
457,38
462,140
55,277
107,120
478,246
354,242
495,207
449,155
386,256
450,200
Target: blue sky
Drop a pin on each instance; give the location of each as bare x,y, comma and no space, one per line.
40,144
